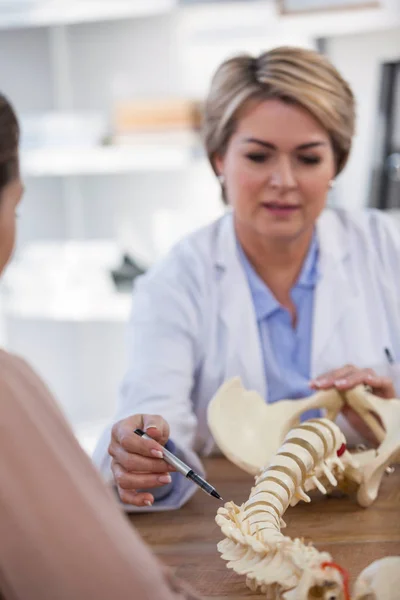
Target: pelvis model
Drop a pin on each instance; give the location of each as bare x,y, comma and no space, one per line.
288,460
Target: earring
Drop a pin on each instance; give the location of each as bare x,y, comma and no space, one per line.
332,183
221,179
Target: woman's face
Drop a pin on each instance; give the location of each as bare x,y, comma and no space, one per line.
277,168
10,197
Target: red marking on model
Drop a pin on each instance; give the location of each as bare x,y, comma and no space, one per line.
341,450
343,573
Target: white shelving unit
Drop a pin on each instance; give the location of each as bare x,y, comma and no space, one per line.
72,54
113,309
164,155
32,13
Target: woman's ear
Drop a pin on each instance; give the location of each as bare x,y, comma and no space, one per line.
218,164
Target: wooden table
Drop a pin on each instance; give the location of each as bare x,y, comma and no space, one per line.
186,539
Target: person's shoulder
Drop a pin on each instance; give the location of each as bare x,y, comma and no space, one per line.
9,361
13,369
201,242
364,222
22,390
368,233
361,219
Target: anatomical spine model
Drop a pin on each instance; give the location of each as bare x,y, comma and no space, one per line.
289,459
249,431
254,544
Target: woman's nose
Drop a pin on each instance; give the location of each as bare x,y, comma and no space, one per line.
282,176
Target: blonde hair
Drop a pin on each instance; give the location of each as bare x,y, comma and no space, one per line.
294,75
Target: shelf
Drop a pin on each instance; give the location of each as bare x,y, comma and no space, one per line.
113,310
65,282
21,14
259,23
53,162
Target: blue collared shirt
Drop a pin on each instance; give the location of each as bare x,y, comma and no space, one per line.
286,349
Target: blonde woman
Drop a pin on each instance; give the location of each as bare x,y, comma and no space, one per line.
62,533
288,295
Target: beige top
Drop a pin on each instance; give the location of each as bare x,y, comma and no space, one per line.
63,536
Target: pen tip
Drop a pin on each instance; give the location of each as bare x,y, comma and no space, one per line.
216,495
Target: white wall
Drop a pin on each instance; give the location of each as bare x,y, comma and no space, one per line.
138,57
359,58
209,34
25,69
82,363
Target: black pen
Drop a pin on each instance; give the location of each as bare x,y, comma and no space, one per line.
389,356
181,467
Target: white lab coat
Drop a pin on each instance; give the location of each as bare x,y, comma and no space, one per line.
193,324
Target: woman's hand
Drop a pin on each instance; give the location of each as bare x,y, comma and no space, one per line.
137,463
348,377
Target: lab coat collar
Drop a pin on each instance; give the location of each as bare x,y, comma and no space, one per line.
334,295
236,311
332,239
226,249
336,291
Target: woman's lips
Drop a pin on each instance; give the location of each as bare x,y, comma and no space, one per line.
280,208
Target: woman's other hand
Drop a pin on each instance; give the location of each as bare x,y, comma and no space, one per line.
348,377
137,463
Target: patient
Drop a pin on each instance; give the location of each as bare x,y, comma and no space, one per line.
62,534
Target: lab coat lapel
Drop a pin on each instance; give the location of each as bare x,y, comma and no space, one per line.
336,292
236,311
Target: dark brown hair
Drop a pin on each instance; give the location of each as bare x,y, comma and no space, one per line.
9,138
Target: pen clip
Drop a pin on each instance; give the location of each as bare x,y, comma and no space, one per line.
139,432
389,356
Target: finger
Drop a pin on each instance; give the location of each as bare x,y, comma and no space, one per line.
123,433
135,462
326,380
136,498
137,481
352,379
156,427
381,386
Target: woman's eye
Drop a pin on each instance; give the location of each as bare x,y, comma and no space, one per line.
310,160
257,157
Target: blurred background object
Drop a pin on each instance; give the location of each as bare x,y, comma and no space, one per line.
300,6
109,94
163,114
125,274
385,188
